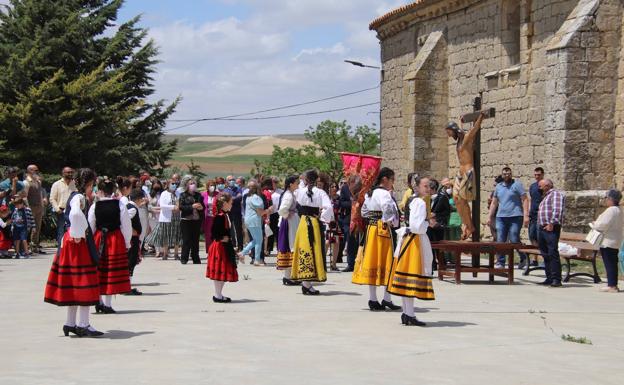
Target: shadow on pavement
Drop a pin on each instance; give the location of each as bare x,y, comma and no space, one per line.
448,324
150,284
336,292
246,300
123,334
158,294
138,311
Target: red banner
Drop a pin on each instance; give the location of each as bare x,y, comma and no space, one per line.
360,171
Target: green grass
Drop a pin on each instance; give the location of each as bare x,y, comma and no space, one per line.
237,159
578,340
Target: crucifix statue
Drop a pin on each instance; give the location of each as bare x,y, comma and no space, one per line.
466,186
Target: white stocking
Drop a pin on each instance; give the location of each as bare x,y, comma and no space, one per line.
219,289
372,293
106,300
306,284
408,306
287,272
71,315
387,296
83,320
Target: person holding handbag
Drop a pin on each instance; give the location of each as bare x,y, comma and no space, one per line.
610,224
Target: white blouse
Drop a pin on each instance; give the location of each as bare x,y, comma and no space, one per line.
77,219
381,200
124,218
417,225
319,199
166,206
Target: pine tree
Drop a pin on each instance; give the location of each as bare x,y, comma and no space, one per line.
74,93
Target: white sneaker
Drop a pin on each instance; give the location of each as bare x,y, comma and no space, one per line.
499,266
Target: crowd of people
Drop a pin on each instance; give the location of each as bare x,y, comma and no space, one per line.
105,226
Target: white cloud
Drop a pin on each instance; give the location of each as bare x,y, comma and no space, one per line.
236,65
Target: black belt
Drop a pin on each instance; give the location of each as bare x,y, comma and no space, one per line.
309,211
373,216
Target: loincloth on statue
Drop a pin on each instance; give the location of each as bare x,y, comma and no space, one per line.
464,187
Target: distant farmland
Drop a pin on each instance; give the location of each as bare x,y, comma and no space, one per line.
224,155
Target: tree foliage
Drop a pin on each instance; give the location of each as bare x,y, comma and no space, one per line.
74,93
329,138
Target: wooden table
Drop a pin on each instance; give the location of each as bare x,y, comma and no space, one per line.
476,249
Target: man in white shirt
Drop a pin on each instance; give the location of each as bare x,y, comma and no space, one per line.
59,194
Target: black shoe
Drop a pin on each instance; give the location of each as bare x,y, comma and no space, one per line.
183,262
389,305
556,284
307,291
290,282
411,321
109,310
99,308
41,252
221,300
69,329
347,270
546,283
85,332
375,306
134,291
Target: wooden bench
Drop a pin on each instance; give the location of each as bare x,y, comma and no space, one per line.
586,252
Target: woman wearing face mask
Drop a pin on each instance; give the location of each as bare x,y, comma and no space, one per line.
208,197
154,212
164,236
192,215
410,275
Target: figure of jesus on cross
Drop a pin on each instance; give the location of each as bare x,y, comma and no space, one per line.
464,189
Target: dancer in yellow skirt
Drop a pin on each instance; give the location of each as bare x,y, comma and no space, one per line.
410,276
308,263
372,266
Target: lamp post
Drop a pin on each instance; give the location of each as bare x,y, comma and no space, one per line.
362,65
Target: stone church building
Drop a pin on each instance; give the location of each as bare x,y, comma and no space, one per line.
553,69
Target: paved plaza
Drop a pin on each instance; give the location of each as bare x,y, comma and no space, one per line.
271,334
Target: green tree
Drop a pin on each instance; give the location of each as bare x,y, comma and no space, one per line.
328,139
72,92
195,170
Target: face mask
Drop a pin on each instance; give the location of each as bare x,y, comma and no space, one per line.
211,189
192,187
220,187
232,183
172,187
449,191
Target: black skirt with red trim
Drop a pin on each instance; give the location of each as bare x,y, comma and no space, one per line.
73,279
113,264
220,264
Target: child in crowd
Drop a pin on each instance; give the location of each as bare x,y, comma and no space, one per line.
23,222
134,253
6,238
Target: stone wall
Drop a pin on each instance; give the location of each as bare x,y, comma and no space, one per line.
551,68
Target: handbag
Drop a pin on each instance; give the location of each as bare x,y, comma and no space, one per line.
594,237
267,230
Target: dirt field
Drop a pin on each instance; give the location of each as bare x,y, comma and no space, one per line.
262,145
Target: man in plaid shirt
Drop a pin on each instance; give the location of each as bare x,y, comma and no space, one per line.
549,220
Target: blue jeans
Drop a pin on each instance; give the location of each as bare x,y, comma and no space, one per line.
508,230
610,259
549,248
255,243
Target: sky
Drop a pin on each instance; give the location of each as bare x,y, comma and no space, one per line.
226,57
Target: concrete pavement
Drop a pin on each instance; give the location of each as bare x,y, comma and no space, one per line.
271,334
